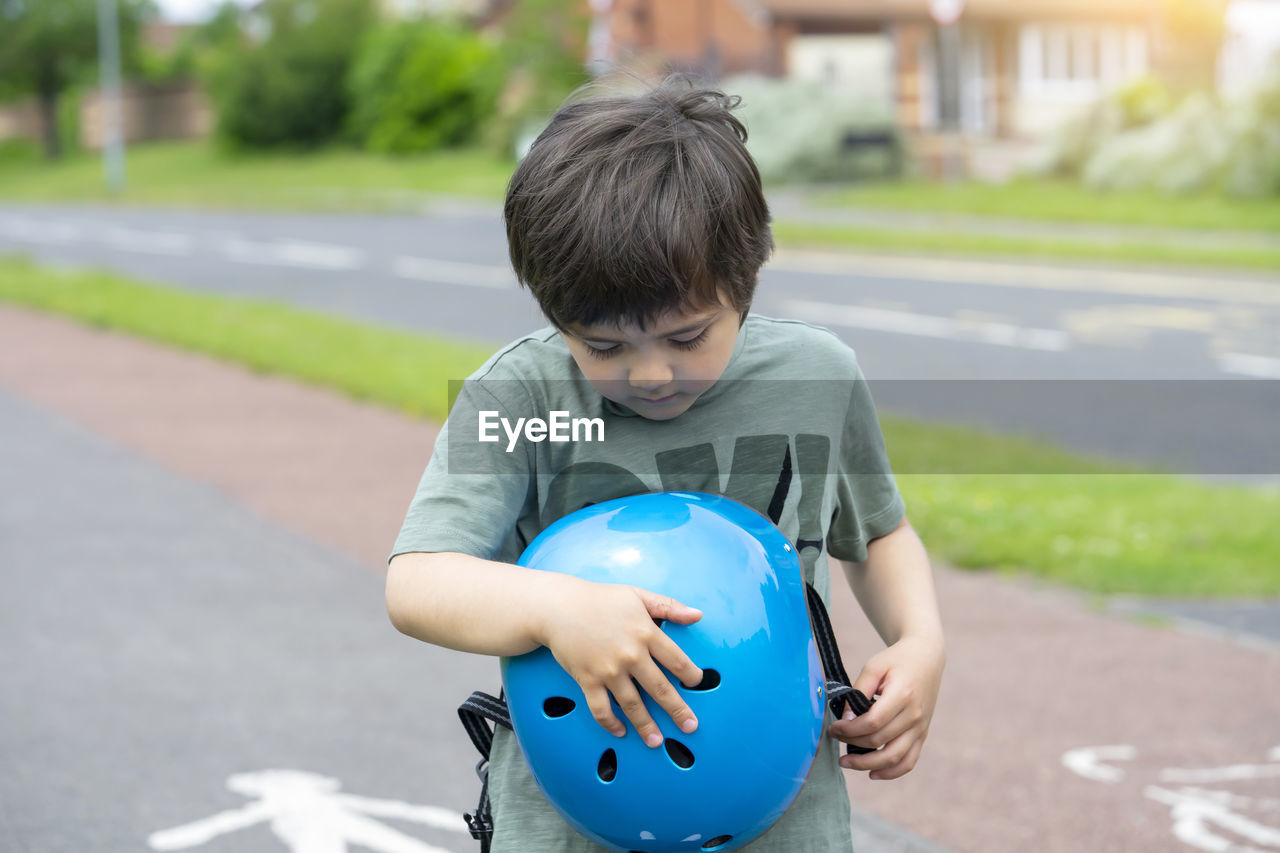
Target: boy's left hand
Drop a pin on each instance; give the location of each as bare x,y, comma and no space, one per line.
906,676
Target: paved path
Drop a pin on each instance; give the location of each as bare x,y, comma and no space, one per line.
193,554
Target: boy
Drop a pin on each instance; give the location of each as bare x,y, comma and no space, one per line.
640,226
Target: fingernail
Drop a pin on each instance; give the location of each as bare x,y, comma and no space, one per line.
688,725
620,731
654,739
848,715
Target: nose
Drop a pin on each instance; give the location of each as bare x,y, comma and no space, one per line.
650,372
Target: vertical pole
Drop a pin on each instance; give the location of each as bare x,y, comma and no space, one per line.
109,78
949,92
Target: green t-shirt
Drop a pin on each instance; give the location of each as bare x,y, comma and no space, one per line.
789,430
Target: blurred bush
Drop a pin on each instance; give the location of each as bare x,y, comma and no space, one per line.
1141,137
287,86
799,133
541,44
49,47
421,85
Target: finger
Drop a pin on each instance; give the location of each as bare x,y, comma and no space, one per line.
882,735
870,680
632,705
858,730
598,701
667,652
657,685
886,756
665,607
903,767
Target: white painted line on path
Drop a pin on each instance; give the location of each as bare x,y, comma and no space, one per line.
33,231
293,253
1088,761
308,814
929,325
1225,288
1230,773
1257,366
454,272
150,242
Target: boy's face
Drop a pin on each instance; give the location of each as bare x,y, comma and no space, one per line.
659,372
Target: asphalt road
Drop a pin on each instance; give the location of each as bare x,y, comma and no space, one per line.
163,642
1172,369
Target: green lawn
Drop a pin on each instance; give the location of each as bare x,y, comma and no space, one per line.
1095,528
200,175
942,242
1064,201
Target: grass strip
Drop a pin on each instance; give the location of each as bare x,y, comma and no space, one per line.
404,371
1059,200
200,175
1097,527
994,245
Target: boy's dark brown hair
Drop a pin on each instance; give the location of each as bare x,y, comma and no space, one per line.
629,206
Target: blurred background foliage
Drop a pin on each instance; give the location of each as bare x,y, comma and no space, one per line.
289,75
1148,136
50,47
810,145
287,86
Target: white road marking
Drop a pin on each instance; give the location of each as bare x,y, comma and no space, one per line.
34,231
151,242
1202,818
293,253
1230,773
1032,276
1087,762
308,815
929,325
454,272
1257,366
1196,812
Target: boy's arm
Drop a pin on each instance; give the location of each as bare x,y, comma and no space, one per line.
894,585
604,635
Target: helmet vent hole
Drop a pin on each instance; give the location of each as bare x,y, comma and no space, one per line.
658,621
710,680
558,706
608,766
717,842
680,754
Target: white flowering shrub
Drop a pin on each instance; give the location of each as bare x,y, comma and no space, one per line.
1203,144
796,131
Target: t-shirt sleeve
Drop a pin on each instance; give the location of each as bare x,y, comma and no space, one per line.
868,504
473,492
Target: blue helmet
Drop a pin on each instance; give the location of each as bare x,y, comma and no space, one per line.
759,706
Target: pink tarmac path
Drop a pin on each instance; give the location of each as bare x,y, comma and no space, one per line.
1034,672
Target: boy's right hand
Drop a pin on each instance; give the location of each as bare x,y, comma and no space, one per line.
606,637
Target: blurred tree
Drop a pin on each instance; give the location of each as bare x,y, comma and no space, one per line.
543,44
48,45
421,85
198,47
285,87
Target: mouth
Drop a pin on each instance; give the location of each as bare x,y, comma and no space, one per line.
654,401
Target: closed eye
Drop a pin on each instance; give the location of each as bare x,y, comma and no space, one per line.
694,342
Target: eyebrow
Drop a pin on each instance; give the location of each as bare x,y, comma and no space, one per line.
684,330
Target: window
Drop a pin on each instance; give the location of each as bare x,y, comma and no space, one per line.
1076,60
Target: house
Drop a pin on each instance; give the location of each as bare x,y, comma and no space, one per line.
1005,73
